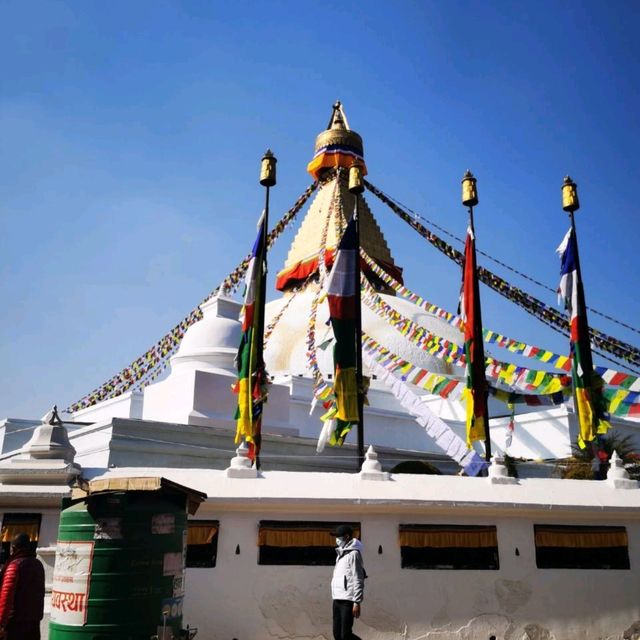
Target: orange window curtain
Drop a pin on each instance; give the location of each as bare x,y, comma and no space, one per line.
441,537
201,533
298,537
12,529
581,537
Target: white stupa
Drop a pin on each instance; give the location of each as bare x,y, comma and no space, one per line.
197,389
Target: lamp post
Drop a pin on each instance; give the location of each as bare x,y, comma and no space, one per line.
571,203
267,180
356,187
470,200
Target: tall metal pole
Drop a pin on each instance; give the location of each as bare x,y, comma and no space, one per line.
356,187
571,203
470,199
580,292
263,290
267,180
581,298
479,325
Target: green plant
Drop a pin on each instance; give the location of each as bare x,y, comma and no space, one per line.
510,463
580,465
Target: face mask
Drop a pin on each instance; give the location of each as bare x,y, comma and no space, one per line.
340,542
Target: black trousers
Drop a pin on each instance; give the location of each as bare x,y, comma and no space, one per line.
23,630
343,620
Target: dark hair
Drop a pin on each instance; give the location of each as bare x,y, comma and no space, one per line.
344,530
21,541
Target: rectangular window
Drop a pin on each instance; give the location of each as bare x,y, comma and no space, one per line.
301,543
445,546
15,523
581,547
202,543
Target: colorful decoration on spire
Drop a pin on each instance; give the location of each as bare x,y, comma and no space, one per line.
337,146
591,406
322,390
251,386
303,259
331,156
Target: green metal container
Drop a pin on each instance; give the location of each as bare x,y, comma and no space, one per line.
119,572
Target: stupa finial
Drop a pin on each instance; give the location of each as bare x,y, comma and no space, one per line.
337,145
338,118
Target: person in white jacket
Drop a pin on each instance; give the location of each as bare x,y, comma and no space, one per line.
347,584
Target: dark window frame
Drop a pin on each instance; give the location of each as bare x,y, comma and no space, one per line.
306,555
564,556
449,558
202,556
18,517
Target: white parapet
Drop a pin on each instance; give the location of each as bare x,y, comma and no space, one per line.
240,466
498,473
618,476
371,467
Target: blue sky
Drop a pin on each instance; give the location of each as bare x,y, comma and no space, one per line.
132,132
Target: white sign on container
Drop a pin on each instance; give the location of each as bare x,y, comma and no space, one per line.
71,576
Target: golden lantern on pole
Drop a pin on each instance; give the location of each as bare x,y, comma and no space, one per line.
356,183
469,190
268,169
570,202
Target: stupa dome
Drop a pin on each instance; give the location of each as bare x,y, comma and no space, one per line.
286,350
212,343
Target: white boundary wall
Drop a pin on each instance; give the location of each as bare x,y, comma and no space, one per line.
241,599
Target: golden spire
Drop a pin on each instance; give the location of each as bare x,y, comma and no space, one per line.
332,208
337,145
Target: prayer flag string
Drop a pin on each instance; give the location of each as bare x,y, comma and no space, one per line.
559,361
622,403
529,303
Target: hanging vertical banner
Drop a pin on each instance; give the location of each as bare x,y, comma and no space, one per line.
591,407
342,298
251,386
475,393
435,427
